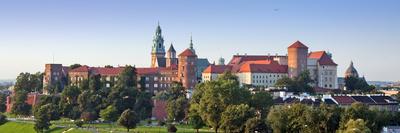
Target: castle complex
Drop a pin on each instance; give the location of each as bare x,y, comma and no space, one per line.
265,70
165,68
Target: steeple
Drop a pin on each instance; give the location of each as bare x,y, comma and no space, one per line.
191,45
158,42
171,53
158,49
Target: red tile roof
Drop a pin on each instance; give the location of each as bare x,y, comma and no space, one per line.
237,59
142,71
107,71
297,44
343,99
81,69
217,69
322,57
271,67
187,52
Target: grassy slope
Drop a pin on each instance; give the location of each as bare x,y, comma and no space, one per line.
16,127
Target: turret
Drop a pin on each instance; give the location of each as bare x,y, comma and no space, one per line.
297,59
171,57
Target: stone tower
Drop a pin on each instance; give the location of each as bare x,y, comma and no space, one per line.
52,77
171,57
187,69
158,49
297,58
351,71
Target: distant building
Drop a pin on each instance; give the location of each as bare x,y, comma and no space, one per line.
265,70
351,71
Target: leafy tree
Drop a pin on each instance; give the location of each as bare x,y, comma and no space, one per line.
177,103
261,101
128,119
24,84
255,124
172,129
3,101
89,116
278,119
329,118
108,66
356,126
42,118
357,85
374,119
73,66
298,84
195,118
212,98
20,107
3,119
109,114
69,99
235,116
143,105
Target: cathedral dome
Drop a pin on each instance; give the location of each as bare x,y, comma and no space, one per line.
351,71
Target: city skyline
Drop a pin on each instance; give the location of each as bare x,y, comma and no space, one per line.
116,34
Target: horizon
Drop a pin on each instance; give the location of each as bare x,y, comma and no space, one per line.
99,33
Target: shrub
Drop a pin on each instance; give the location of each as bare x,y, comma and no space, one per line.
172,129
3,119
79,123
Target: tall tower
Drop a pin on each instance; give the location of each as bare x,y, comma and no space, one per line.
297,58
187,69
158,49
171,57
52,77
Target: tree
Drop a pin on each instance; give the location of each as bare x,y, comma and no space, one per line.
42,118
3,101
278,119
213,97
356,126
177,103
123,94
298,84
3,119
357,85
20,107
24,84
261,101
128,119
235,116
143,105
172,129
89,116
195,118
256,125
109,114
69,99
73,66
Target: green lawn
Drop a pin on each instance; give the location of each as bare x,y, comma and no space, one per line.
18,127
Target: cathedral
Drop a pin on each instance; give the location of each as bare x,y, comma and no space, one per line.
166,67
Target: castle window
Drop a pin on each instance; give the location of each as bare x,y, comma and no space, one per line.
155,85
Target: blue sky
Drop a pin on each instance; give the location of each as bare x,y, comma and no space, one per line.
119,32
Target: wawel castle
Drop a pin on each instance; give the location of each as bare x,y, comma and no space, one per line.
167,66
265,70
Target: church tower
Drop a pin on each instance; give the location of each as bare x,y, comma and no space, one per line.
171,57
158,49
